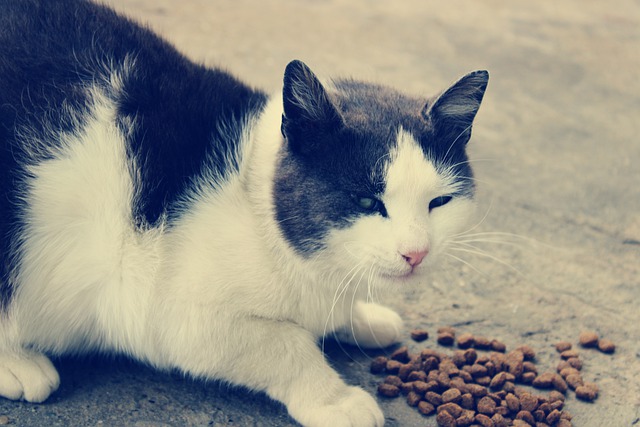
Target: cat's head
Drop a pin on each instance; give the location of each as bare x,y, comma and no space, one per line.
369,180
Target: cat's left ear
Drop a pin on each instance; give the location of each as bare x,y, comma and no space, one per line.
452,113
308,110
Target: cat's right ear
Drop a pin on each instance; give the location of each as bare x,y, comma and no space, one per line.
452,113
308,110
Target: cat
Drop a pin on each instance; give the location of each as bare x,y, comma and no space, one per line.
161,209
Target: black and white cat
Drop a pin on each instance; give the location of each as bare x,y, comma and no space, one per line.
154,207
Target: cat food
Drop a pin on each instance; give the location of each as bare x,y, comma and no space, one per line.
563,346
606,346
419,335
468,387
588,339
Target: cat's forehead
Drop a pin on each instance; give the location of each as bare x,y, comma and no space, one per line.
370,106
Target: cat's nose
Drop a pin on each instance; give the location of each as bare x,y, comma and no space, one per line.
415,258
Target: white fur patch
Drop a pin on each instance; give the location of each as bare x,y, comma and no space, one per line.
377,244
85,273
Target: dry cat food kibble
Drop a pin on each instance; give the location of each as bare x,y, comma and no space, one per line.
471,388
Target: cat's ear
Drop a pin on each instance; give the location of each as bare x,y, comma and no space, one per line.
452,113
308,111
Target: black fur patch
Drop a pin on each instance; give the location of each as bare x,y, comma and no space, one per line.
51,51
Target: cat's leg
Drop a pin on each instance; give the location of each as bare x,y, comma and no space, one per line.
371,325
27,375
284,360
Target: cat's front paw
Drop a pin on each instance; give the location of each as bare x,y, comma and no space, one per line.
372,326
28,376
353,408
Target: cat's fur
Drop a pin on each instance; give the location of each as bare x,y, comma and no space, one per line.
157,208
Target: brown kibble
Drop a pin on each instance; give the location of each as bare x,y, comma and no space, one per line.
586,393
378,365
559,383
448,366
528,352
446,339
445,419
499,421
564,423
467,401
465,341
526,416
528,402
393,380
498,381
563,364
434,398
569,371
568,354
466,419
513,403
606,346
484,381
528,377
484,420
452,408
574,381
413,398
544,380
417,376
482,343
470,356
553,417
426,408
563,346
419,335
405,370
393,366
520,423
588,339
405,388
487,406
388,390
446,329
428,352
514,363
498,346
429,364
529,367
555,396
452,395
478,370
477,390
401,354
575,362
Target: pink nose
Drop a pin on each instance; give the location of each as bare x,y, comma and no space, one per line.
415,258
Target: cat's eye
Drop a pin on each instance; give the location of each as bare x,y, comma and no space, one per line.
370,204
439,201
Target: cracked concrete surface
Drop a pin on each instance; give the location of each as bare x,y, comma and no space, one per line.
556,155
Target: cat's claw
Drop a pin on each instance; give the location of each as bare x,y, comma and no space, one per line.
356,408
27,376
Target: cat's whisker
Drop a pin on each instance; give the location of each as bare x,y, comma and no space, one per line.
476,251
468,264
340,290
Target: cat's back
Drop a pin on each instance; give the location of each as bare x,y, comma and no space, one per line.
89,100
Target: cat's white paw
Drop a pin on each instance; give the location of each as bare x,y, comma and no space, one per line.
354,408
372,326
29,376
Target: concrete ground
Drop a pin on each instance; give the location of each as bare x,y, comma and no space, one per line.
557,159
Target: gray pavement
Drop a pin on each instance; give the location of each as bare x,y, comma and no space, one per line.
557,160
